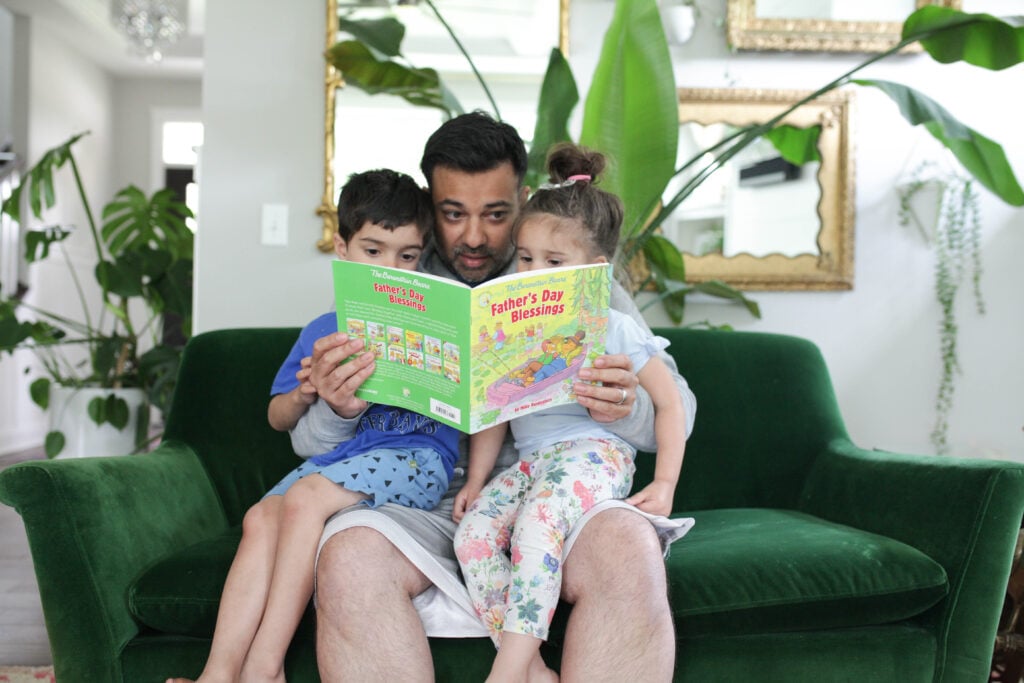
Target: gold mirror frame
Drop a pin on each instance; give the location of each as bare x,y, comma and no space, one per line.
832,267
328,210
745,31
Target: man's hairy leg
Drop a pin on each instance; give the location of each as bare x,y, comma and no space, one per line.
620,627
367,627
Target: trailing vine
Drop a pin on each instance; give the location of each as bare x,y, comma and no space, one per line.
957,242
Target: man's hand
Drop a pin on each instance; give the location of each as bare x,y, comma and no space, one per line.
614,398
335,381
655,498
463,499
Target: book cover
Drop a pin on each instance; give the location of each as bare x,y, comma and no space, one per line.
473,357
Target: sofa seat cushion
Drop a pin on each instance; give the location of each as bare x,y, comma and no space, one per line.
741,571
180,593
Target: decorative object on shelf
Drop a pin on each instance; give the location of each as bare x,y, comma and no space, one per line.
143,272
149,25
956,237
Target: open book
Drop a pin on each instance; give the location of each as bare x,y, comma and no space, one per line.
472,357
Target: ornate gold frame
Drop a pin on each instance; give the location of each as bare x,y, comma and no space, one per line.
328,210
832,267
744,31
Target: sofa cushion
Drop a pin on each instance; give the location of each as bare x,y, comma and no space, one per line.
762,570
180,593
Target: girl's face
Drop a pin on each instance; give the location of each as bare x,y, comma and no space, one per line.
547,241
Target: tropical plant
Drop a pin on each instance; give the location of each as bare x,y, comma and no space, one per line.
143,270
630,114
956,238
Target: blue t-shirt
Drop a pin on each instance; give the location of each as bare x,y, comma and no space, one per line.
380,426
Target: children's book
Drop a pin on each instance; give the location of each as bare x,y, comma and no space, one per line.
473,357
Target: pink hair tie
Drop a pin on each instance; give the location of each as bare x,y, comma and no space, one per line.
568,182
579,178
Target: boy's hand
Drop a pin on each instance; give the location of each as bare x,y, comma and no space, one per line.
463,499
614,398
336,381
306,392
655,498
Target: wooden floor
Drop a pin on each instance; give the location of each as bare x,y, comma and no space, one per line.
22,633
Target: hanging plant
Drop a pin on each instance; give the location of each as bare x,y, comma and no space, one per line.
957,242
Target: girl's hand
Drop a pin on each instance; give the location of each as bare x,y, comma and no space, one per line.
655,498
463,499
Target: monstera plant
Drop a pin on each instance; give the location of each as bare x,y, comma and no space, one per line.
630,113
143,273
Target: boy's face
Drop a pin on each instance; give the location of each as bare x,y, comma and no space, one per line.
546,241
475,212
398,248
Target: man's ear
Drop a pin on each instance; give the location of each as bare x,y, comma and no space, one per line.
340,247
524,194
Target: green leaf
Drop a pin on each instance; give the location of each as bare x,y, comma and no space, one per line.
53,444
158,368
117,411
558,97
631,112
361,69
39,391
141,426
982,40
39,181
384,35
796,145
37,242
721,290
97,410
132,221
980,156
663,257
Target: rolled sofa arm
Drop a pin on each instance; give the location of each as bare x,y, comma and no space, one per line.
93,525
963,513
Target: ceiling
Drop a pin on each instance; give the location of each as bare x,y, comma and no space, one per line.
87,25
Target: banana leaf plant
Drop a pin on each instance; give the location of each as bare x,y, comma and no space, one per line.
143,256
630,114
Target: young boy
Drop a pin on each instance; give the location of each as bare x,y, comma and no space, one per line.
395,455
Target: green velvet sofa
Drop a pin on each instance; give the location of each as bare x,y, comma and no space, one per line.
811,559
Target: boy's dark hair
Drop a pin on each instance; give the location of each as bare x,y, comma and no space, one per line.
599,212
385,198
474,143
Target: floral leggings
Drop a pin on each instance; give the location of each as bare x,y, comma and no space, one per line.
510,541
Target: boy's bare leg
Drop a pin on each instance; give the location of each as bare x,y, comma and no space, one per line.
367,628
620,627
306,507
519,661
245,593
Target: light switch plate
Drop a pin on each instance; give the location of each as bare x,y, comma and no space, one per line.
275,225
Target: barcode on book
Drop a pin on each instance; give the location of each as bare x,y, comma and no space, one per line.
444,410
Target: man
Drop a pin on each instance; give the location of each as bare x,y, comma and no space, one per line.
388,578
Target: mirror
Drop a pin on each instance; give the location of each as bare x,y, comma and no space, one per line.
759,223
510,44
837,26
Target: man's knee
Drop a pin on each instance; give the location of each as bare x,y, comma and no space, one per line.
614,545
362,562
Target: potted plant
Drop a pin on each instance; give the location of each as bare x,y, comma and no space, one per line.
631,114
116,347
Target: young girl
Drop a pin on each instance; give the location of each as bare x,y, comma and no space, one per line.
396,456
509,541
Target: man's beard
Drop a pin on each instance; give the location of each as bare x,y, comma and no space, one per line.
497,263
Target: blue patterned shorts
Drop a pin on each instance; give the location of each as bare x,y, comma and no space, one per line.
413,477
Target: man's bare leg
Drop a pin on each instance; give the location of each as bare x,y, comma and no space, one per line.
367,628
620,628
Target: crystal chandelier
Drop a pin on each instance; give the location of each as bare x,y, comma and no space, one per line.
149,25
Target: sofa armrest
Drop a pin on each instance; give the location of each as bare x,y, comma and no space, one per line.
963,513
93,524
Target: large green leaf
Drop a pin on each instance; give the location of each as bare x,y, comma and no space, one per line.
361,69
558,97
131,221
39,182
979,39
664,258
631,112
384,34
37,242
983,158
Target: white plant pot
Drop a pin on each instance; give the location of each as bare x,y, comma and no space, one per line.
69,414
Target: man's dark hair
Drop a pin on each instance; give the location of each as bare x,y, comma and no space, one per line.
385,198
474,143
